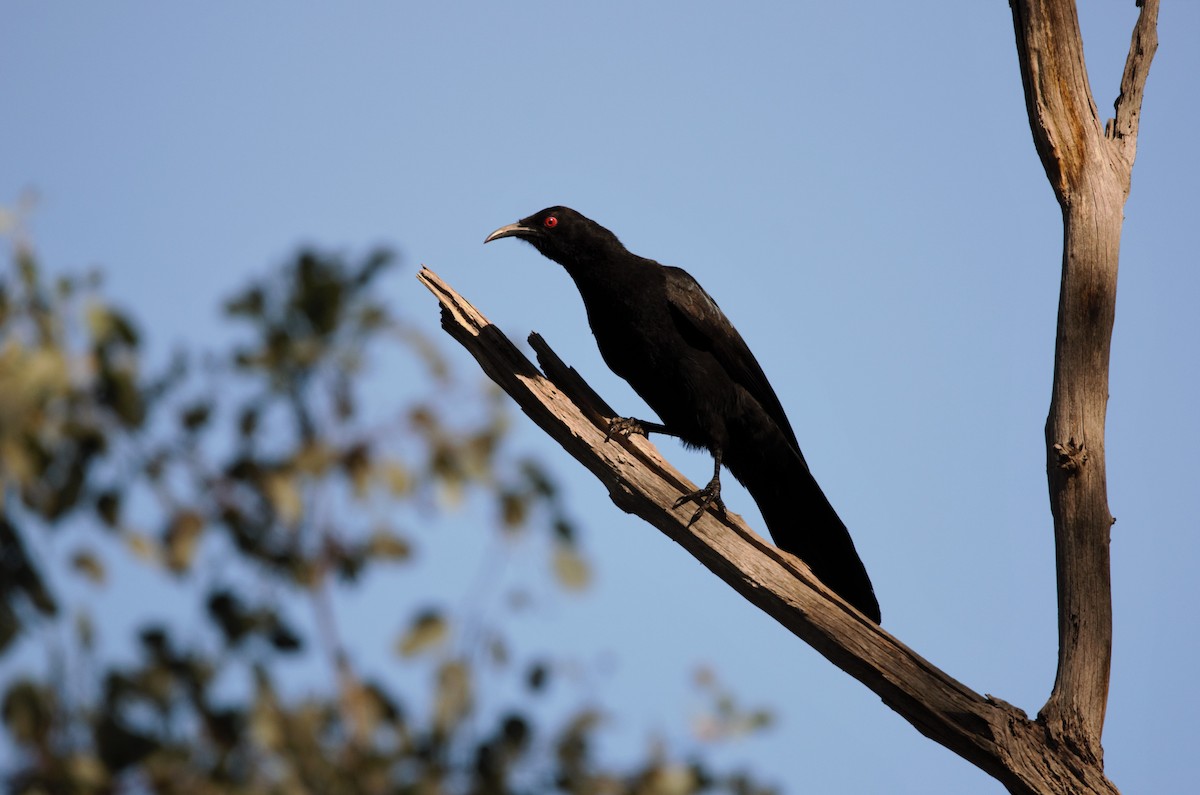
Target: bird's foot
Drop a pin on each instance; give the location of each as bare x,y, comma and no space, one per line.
624,426
709,495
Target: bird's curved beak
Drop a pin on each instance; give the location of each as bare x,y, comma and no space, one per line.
512,230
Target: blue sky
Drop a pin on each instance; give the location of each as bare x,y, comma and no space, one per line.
856,185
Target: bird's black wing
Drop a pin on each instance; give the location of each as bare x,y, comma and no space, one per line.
771,467
702,323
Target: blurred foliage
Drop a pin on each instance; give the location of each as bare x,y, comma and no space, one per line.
250,480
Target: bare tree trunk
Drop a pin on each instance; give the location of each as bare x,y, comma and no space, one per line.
1089,166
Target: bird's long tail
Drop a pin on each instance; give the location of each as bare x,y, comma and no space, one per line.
799,516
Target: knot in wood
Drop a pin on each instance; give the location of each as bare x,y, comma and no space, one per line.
1071,456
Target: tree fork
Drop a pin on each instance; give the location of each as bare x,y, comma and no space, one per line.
1089,166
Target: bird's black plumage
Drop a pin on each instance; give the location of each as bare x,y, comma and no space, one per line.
660,331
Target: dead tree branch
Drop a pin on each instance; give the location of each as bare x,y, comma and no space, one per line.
986,731
1089,165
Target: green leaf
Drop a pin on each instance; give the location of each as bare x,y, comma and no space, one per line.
108,507
428,630
284,494
537,675
454,695
28,711
386,545
86,563
571,569
194,417
121,746
18,572
248,304
181,540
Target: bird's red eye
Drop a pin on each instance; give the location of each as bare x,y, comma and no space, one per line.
550,222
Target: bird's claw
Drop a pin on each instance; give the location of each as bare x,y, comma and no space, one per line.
624,426
709,495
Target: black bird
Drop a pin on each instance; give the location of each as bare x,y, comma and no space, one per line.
659,330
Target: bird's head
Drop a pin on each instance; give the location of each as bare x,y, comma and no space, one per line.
563,235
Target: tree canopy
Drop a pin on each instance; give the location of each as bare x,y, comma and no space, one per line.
251,485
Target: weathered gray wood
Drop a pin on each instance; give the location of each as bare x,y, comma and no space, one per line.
986,731
1089,164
